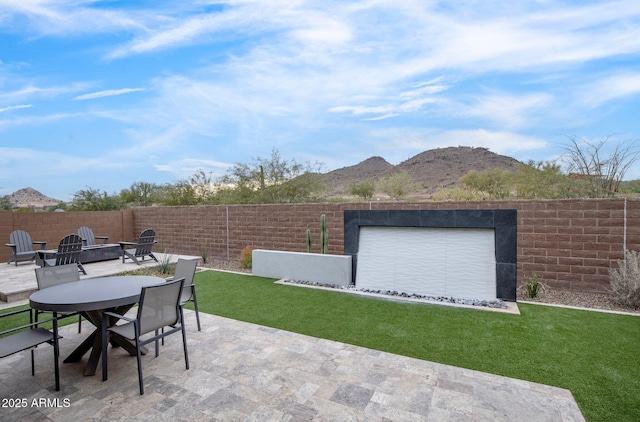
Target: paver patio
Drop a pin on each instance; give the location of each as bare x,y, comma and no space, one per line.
242,371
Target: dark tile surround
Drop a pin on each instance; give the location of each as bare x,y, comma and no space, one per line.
503,222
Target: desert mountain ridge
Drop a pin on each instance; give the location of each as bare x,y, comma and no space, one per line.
432,170
31,198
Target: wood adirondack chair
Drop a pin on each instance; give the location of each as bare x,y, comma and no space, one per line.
142,248
68,250
88,239
22,247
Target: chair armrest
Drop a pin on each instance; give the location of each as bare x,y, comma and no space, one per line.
19,311
11,245
42,244
103,238
113,314
25,326
127,243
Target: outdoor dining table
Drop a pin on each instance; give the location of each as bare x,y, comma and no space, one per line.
91,297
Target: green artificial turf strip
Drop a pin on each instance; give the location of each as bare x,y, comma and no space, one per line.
595,355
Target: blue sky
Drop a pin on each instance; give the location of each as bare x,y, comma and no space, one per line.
102,94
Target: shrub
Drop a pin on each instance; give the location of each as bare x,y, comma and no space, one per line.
246,257
164,262
533,284
625,281
203,254
364,189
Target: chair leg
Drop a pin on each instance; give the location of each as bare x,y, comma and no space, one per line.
139,358
195,304
79,323
184,339
33,364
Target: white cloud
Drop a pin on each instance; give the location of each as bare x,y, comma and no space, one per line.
67,18
611,88
29,91
15,107
506,110
187,167
107,93
39,163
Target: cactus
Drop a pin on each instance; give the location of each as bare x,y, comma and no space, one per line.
309,240
324,234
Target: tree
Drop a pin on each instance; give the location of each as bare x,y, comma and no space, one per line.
94,200
398,185
587,160
141,194
180,193
269,180
545,179
5,203
364,189
631,187
493,184
203,186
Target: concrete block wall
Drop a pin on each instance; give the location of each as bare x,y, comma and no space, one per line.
50,227
570,243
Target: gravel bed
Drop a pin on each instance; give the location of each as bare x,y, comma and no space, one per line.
579,299
225,265
558,297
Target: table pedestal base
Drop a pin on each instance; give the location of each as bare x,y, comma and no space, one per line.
94,340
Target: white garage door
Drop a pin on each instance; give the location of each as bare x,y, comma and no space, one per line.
457,263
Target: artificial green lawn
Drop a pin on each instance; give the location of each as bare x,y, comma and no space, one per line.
593,354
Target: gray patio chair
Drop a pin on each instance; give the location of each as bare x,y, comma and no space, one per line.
27,337
59,274
186,269
22,247
159,307
142,248
88,238
68,251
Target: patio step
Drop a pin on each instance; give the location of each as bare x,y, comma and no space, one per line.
16,296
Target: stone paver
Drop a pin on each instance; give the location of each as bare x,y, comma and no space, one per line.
246,372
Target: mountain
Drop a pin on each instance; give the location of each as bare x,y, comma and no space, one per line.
370,169
432,169
442,167
31,198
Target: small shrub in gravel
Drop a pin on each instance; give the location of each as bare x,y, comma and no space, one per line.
625,281
246,257
533,285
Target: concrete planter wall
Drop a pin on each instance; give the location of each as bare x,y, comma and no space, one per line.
313,267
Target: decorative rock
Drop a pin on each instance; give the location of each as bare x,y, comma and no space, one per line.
471,302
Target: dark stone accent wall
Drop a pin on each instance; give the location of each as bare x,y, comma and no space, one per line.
504,222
